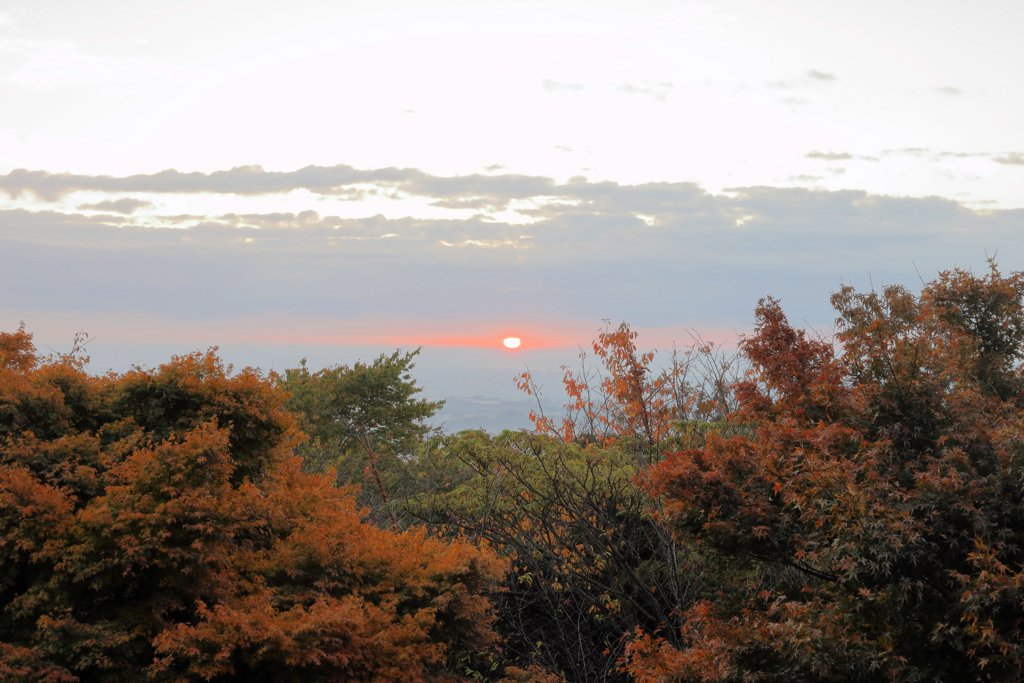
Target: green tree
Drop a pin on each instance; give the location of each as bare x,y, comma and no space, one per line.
587,560
361,420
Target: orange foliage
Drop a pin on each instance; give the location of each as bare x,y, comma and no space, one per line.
625,403
631,403
877,506
156,525
531,674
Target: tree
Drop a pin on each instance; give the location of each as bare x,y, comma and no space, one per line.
631,406
587,563
569,506
156,525
360,420
878,506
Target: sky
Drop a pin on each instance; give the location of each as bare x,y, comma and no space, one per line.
335,179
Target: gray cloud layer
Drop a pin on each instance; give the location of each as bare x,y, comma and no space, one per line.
1013,158
829,156
656,254
125,206
338,180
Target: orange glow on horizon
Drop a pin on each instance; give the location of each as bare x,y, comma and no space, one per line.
307,331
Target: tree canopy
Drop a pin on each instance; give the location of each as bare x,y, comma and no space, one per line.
156,525
823,508
360,420
878,504
589,558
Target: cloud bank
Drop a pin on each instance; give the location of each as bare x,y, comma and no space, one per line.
659,255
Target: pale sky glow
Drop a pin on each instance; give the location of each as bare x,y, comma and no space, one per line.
434,171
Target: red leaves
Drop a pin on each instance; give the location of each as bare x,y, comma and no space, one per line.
792,375
723,494
28,664
881,490
716,642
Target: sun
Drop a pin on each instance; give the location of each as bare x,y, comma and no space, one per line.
511,342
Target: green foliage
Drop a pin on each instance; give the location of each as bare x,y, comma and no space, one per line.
588,560
362,420
342,404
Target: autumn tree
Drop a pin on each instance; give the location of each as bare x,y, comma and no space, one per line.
878,505
156,525
589,559
627,403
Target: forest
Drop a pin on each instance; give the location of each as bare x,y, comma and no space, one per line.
813,508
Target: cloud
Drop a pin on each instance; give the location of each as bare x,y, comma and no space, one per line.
948,90
269,221
245,180
799,83
828,156
1007,158
820,75
125,206
912,151
578,220
600,206
655,254
338,181
551,87
1011,158
658,92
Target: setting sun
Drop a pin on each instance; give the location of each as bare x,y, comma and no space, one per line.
511,342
